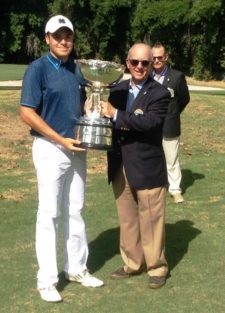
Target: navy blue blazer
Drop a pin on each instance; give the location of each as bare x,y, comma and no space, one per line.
176,83
137,136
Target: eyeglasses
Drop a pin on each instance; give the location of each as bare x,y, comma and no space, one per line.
134,62
160,58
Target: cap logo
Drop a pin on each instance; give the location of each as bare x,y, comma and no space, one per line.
61,21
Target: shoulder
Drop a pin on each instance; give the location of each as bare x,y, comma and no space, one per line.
39,62
35,71
37,65
119,92
124,84
156,87
175,73
121,87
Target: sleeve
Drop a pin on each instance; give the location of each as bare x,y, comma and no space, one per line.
182,93
31,95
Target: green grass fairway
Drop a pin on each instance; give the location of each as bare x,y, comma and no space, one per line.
12,71
195,230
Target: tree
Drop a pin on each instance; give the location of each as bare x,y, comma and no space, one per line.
207,37
192,30
19,22
101,27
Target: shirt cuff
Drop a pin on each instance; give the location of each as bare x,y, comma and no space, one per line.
115,116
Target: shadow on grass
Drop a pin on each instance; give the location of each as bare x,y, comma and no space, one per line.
106,245
103,248
188,179
178,237
62,282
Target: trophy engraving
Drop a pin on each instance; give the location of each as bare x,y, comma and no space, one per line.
93,130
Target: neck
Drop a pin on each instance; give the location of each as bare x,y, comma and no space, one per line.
159,71
62,59
135,82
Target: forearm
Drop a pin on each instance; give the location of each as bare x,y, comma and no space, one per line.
31,118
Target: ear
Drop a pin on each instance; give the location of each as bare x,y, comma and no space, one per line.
47,39
166,57
128,64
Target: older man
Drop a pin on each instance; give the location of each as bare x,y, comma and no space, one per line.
137,168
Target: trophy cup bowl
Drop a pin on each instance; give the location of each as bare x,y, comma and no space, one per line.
93,130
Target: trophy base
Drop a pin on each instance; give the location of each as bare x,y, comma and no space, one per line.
86,145
94,133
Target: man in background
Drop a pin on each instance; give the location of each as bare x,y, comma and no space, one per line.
175,82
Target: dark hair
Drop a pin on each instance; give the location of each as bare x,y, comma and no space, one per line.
158,44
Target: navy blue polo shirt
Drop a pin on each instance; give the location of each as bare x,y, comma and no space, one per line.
53,89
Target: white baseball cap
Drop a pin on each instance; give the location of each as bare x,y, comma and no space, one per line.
57,22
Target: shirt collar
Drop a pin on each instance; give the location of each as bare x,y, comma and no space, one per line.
54,61
163,73
138,86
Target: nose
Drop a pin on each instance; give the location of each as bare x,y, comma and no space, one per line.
63,41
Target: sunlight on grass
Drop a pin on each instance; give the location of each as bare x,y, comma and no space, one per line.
194,229
12,71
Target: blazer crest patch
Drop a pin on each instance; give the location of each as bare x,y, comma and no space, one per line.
138,112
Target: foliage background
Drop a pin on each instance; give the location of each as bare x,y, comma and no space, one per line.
192,30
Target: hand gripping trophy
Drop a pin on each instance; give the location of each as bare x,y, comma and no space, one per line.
93,130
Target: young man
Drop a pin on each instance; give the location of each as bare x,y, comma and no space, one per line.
175,82
137,168
51,105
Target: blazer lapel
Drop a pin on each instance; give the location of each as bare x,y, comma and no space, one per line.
167,78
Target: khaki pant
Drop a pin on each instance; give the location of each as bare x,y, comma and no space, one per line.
171,150
142,226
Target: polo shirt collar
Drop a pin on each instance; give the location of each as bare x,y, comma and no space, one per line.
54,61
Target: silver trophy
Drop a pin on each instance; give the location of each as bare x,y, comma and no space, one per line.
93,130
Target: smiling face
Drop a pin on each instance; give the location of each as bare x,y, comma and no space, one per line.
60,43
159,59
139,62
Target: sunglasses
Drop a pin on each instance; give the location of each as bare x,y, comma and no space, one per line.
160,58
134,62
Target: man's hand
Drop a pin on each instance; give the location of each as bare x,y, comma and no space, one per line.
72,144
88,106
31,118
107,109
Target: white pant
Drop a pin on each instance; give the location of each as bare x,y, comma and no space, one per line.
171,150
61,179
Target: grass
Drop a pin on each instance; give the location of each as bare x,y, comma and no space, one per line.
16,72
209,92
12,71
210,83
194,230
